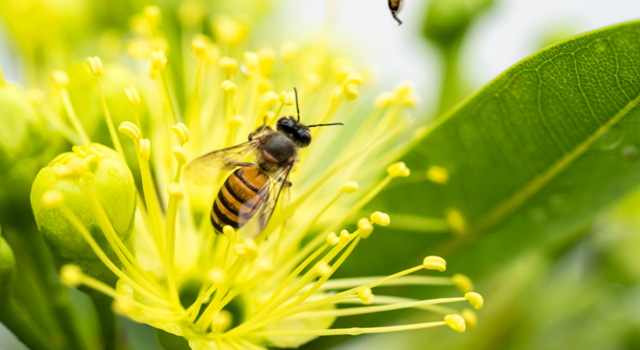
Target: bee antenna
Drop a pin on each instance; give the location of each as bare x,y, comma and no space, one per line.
329,124
297,107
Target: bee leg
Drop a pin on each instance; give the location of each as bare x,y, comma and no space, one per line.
288,183
239,164
260,129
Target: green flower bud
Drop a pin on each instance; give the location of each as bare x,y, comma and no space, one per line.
447,20
7,270
21,129
69,176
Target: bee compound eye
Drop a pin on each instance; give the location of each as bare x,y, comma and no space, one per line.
305,138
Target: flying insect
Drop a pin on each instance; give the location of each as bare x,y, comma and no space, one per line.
252,189
396,6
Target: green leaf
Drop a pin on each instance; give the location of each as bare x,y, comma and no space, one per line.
533,155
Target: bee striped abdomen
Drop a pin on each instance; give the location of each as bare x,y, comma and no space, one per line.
240,198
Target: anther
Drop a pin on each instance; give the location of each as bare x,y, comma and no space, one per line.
350,92
91,163
71,275
248,249
456,322
76,166
35,96
174,190
190,12
95,152
265,267
384,99
64,171
228,30
230,233
235,121
434,263
323,268
95,65
158,60
345,238
144,149
456,221
79,151
216,275
403,89
285,98
288,51
462,282
51,199
333,239
353,78
60,79
229,66
182,132
267,59
180,154
267,99
381,219
366,295
411,101
398,170
153,15
153,74
130,129
199,48
349,188
229,87
251,61
132,96
122,306
470,319
438,174
87,179
222,321
475,300
312,80
365,228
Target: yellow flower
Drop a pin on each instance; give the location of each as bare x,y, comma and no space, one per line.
273,289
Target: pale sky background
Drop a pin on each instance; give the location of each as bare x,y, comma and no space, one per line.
509,32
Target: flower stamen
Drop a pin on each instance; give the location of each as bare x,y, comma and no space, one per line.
95,65
61,80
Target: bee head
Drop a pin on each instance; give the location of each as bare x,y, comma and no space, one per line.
295,130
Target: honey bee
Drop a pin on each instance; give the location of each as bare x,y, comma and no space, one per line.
396,6
253,188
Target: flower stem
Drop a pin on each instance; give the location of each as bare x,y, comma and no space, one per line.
66,101
350,331
107,116
172,211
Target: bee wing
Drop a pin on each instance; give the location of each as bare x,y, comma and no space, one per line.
278,184
203,170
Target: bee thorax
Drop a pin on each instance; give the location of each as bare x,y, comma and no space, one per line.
278,148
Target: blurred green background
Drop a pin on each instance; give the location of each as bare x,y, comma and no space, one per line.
560,272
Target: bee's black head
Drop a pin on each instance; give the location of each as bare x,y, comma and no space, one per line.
295,130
